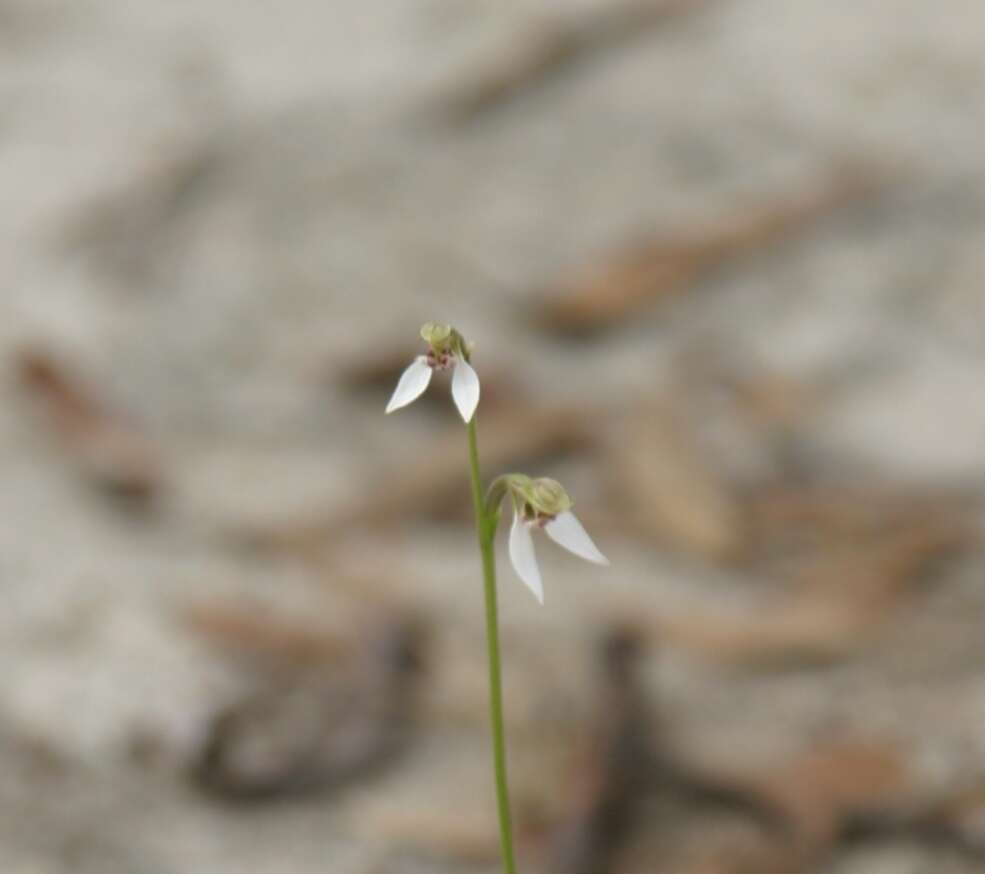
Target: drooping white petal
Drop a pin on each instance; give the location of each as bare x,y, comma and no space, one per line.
524,558
412,383
465,389
565,530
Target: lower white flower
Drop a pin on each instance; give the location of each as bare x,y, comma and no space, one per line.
447,350
564,529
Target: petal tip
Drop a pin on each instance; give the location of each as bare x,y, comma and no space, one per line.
524,559
465,389
568,532
413,381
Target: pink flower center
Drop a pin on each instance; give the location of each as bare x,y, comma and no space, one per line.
534,519
439,360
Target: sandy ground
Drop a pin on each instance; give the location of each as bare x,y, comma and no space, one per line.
212,209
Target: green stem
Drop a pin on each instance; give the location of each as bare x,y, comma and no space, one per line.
485,523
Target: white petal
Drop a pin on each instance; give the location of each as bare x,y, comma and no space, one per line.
412,383
465,389
567,531
524,558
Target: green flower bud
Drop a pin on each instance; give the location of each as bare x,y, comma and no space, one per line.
438,337
548,496
540,497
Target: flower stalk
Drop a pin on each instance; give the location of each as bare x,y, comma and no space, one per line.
539,504
486,521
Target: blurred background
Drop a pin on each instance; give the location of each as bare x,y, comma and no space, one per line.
722,263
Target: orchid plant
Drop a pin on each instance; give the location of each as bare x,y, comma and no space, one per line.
538,503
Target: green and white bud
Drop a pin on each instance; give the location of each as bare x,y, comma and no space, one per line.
539,504
438,337
541,497
547,496
446,349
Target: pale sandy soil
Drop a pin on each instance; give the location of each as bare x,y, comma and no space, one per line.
211,208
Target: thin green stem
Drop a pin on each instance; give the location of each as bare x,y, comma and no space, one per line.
485,524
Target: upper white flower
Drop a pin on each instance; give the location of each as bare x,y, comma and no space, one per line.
544,504
447,349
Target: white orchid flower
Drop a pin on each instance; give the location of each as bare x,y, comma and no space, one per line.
446,348
543,504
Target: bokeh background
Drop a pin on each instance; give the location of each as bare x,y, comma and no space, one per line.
722,262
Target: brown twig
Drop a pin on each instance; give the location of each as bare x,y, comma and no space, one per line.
604,294
255,633
840,600
613,770
316,732
554,48
665,490
107,447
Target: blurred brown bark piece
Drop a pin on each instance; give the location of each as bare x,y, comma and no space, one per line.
555,47
958,820
430,484
827,786
314,731
817,794
665,491
840,599
767,399
762,855
614,767
623,762
250,632
109,449
439,834
611,291
826,516
874,575
955,821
